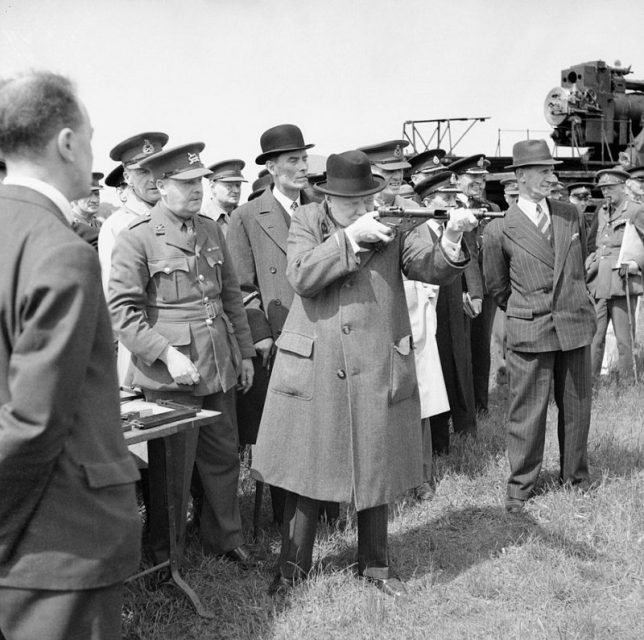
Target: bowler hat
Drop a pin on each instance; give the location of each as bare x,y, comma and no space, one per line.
138,147
349,175
531,152
179,163
280,139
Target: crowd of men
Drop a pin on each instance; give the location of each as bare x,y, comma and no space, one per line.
343,346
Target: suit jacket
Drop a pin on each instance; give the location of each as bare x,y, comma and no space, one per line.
257,237
68,514
603,277
343,390
540,287
167,289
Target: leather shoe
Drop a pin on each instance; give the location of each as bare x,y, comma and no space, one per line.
280,587
424,491
242,556
514,505
392,587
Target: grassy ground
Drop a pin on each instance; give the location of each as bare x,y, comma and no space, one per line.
571,567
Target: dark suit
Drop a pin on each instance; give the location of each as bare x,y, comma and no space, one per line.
68,515
549,327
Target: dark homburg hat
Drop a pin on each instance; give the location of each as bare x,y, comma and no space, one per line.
611,177
96,176
427,161
115,177
531,152
443,182
227,171
179,163
475,165
349,174
260,185
280,139
387,155
138,147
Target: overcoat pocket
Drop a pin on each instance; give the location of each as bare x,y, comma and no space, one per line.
402,377
294,370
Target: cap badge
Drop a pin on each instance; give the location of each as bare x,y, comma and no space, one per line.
147,148
193,158
397,152
481,162
453,180
436,160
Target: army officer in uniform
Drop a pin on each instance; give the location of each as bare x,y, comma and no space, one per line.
176,305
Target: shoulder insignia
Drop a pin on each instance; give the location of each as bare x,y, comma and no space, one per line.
159,229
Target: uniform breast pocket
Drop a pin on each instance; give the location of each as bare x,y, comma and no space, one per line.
294,370
215,260
402,375
166,273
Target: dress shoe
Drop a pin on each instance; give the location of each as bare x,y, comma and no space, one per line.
392,587
514,505
242,556
424,491
280,587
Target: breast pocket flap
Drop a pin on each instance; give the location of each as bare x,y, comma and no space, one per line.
296,343
168,265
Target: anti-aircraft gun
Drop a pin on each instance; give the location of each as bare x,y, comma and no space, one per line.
597,107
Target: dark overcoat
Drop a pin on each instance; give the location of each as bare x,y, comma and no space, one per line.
68,514
342,414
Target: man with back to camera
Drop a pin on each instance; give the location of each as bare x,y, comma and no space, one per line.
533,262
69,526
343,391
176,305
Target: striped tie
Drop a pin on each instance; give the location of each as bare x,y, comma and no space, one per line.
543,224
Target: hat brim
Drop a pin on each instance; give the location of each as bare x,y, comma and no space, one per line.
191,174
263,157
392,166
381,183
227,179
540,163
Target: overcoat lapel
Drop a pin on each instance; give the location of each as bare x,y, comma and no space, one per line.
520,229
271,218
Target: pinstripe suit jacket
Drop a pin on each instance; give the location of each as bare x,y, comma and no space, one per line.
541,287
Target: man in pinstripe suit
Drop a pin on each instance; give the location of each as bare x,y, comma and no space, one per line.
533,262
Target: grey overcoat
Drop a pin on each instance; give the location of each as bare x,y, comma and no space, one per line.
342,415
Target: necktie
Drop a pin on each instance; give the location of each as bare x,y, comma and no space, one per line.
543,224
294,206
189,230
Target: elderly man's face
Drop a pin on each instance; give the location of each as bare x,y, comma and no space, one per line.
348,209
289,170
90,204
440,200
182,197
227,194
143,184
471,185
393,180
536,182
615,192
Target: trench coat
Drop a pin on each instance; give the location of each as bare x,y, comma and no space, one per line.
342,415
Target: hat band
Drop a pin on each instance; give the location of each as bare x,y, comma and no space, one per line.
350,185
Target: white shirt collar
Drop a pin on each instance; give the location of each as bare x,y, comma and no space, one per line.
286,202
530,208
45,189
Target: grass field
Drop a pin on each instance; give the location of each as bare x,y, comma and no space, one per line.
570,568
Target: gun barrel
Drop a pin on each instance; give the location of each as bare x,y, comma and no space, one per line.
439,214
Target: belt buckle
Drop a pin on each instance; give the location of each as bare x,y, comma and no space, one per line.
211,311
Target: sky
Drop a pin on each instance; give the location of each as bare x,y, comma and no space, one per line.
348,72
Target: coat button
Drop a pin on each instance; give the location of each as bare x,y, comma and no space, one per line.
205,298
278,302
341,374
346,329
208,321
201,278
167,269
273,270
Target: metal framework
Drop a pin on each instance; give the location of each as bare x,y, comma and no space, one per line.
441,135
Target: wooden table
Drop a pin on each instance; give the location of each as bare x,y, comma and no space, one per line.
161,432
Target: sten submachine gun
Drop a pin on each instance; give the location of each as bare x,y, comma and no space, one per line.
407,219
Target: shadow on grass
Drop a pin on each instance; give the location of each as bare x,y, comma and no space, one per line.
462,538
